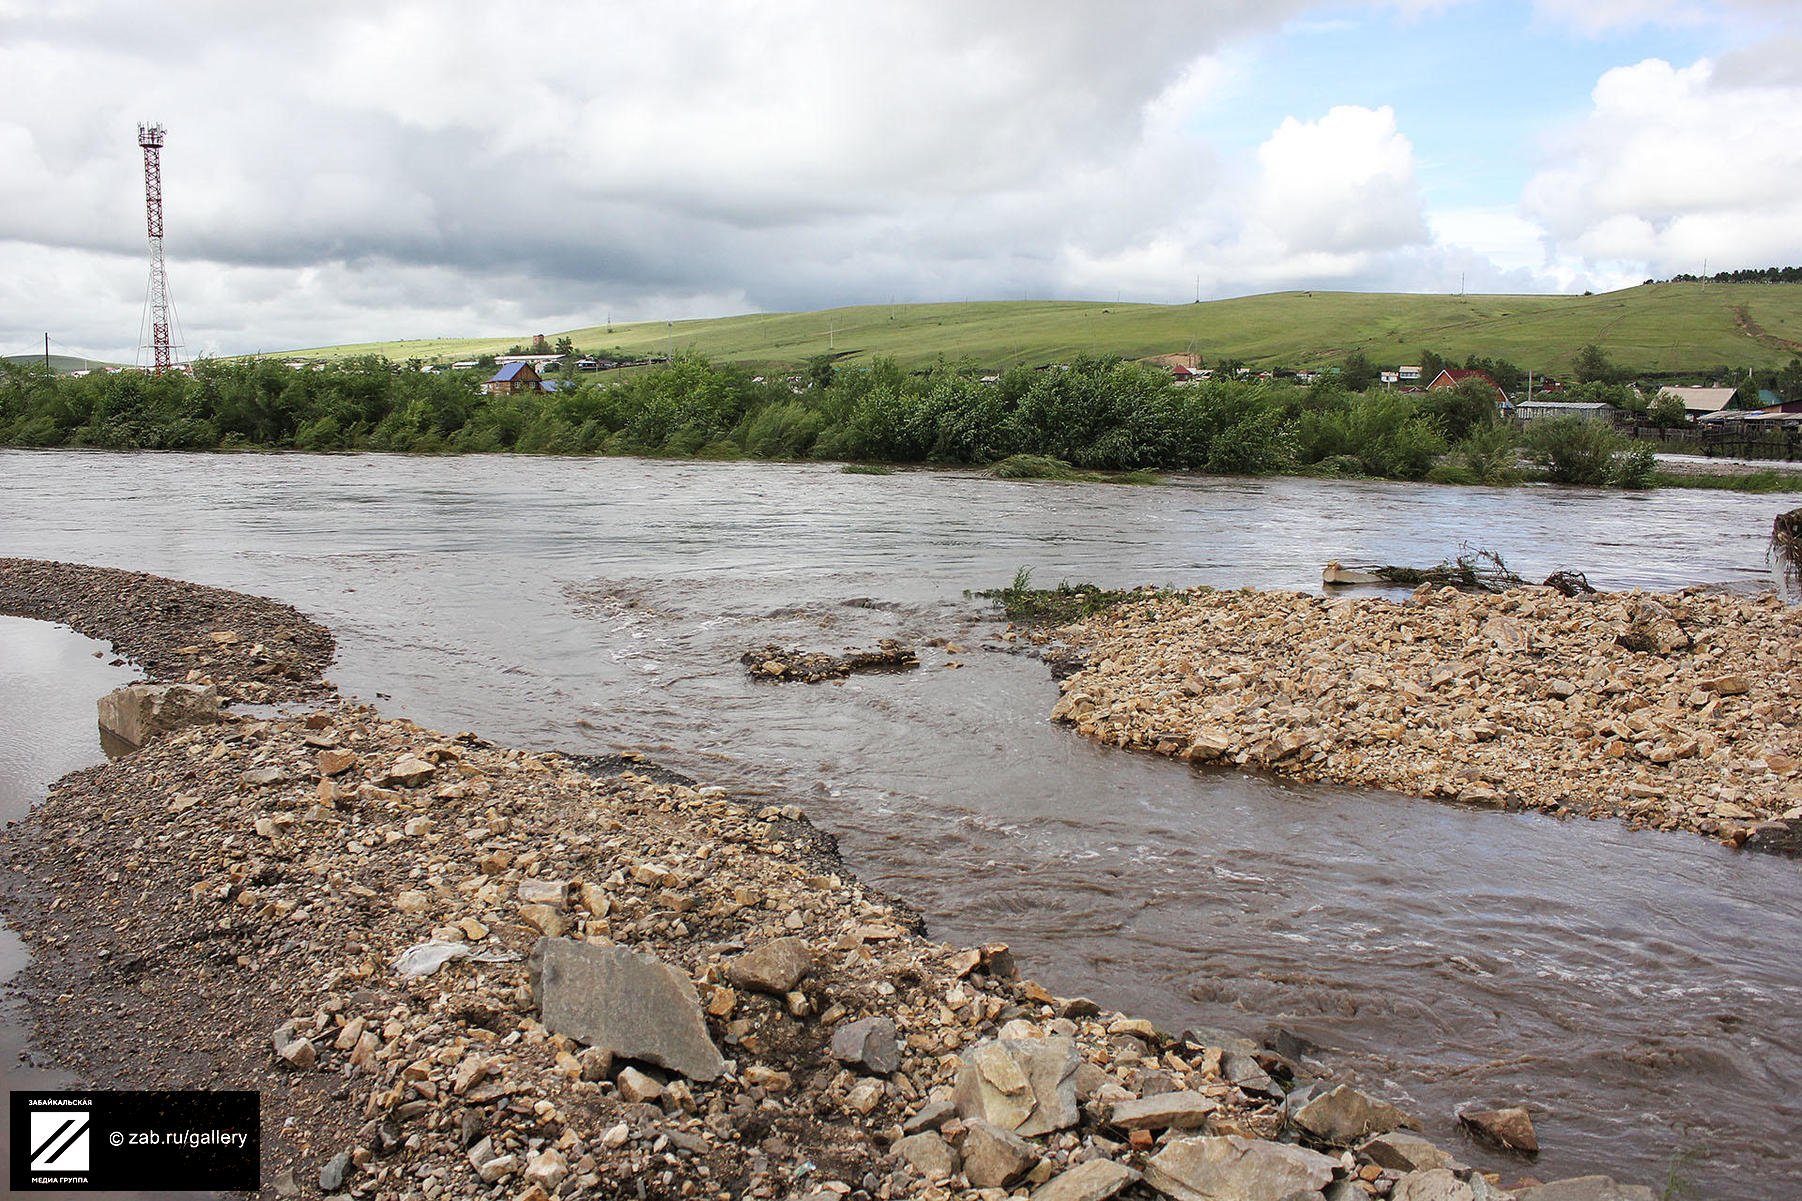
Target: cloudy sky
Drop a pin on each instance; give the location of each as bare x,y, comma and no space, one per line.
341,172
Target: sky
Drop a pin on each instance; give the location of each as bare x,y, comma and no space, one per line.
369,171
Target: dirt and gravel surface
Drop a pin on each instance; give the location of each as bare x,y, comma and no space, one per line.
1675,711
340,910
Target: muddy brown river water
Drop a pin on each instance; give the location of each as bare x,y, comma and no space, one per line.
1642,991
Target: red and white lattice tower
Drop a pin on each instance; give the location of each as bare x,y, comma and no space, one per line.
150,137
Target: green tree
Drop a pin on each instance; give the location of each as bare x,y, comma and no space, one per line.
1358,373
1667,411
1460,410
1594,367
1789,381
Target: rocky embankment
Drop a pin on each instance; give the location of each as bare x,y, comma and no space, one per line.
1671,711
460,970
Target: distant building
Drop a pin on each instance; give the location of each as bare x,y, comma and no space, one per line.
1534,410
513,378
1699,402
1449,378
1408,375
1391,378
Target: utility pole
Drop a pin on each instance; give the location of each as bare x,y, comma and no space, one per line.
46,353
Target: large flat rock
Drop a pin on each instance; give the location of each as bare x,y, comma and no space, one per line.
137,713
631,1005
1232,1168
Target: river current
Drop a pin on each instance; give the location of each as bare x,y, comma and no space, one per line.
1642,991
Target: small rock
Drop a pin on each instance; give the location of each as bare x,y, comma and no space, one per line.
1344,1115
1095,1180
932,1115
775,967
553,893
993,1157
1510,1128
1404,1152
1433,1184
929,1155
409,771
333,1172
1233,1168
469,1070
637,1087
1164,1111
335,762
544,919
869,1043
547,1169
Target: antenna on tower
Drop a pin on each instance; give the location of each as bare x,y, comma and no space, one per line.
156,300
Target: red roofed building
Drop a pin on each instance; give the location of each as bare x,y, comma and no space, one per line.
1449,378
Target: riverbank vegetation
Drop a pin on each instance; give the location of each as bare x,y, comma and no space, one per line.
1090,415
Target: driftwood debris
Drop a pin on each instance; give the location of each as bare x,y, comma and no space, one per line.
1786,545
1471,571
780,665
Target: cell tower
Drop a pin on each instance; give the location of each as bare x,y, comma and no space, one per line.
150,137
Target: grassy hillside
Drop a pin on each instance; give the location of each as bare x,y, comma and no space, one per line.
1662,327
59,363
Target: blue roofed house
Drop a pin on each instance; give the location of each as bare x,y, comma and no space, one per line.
511,378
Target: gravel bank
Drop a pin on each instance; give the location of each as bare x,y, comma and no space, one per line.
253,648
258,904
1674,711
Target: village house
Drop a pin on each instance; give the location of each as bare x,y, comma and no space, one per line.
1450,378
1700,402
513,378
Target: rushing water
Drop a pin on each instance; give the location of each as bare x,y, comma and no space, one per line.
1641,990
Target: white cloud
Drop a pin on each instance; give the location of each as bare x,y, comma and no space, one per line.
1673,166
1341,185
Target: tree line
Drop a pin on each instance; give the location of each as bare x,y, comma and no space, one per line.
1093,413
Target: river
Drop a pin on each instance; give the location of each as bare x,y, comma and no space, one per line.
1640,990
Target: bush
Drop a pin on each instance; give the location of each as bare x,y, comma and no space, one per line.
1632,467
1448,472
1035,467
1491,455
1577,451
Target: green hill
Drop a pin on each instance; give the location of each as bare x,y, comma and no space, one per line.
1687,327
59,363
